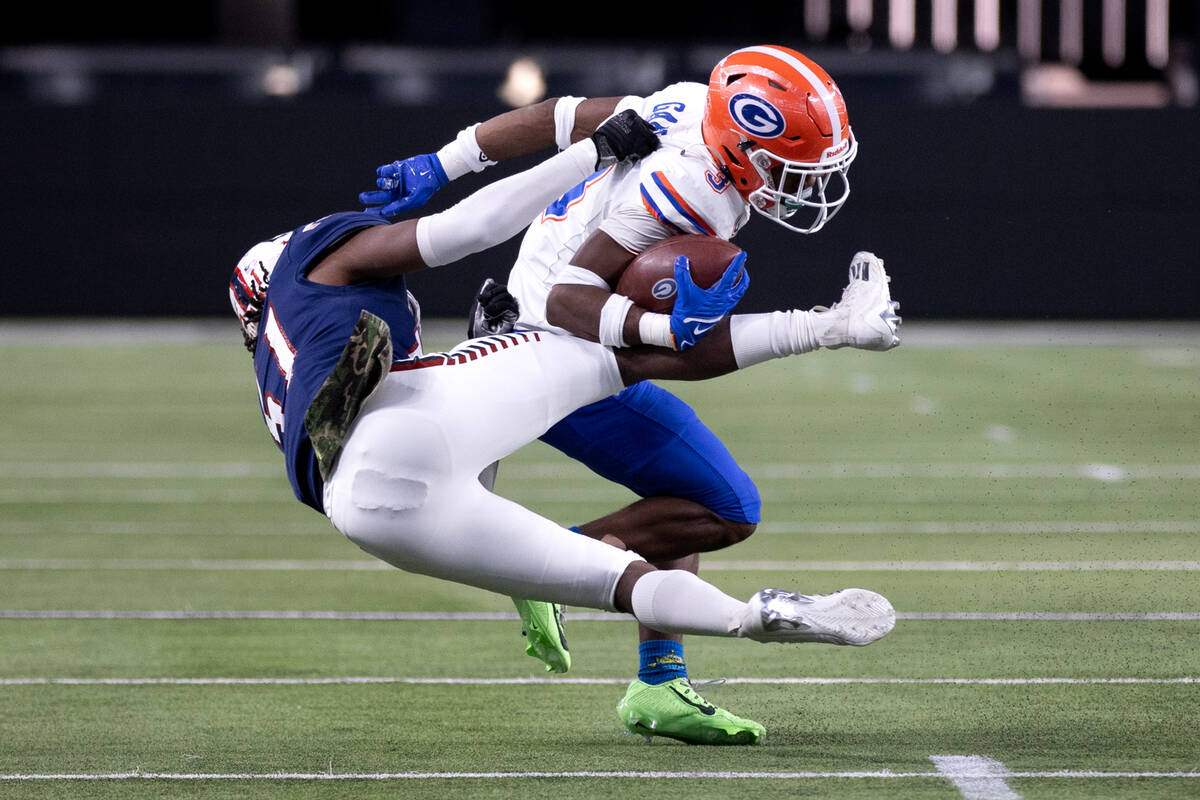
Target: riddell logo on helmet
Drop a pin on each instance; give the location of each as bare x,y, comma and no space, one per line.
837,150
756,116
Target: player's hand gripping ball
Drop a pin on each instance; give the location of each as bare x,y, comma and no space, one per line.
649,280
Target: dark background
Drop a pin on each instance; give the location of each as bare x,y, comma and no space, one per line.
139,161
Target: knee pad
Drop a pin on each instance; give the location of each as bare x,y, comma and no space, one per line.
374,509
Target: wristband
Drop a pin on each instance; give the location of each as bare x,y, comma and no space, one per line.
564,120
463,155
612,320
655,329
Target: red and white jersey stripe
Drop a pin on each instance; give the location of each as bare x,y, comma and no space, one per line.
678,189
471,350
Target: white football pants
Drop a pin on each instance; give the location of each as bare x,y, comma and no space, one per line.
406,488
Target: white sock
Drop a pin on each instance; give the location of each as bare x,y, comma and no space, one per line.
761,337
676,601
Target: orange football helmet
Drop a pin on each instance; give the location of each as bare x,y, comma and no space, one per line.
778,123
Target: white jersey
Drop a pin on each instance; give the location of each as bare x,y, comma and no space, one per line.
677,189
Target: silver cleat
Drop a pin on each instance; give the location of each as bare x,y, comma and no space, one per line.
847,617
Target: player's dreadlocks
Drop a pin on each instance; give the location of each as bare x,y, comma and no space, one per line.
253,315
248,295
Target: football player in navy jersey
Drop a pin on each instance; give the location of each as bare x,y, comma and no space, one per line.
310,298
389,442
770,134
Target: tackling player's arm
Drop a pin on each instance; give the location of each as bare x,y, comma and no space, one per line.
407,185
372,253
491,215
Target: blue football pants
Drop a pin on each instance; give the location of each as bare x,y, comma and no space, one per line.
653,443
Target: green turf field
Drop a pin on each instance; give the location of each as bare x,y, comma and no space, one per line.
174,624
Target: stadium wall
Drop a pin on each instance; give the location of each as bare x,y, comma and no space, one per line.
981,211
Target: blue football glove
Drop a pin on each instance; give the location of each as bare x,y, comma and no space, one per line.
404,185
697,311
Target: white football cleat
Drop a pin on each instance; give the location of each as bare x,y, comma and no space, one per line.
865,317
849,616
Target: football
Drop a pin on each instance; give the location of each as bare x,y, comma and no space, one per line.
649,280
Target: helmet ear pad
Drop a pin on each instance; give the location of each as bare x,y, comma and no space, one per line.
736,163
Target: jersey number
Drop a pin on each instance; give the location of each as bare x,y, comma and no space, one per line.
663,115
559,208
273,416
283,354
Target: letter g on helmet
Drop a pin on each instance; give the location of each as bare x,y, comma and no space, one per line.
757,117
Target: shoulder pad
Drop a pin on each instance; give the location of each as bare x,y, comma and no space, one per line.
689,194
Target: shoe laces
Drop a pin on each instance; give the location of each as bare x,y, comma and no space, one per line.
706,685
858,286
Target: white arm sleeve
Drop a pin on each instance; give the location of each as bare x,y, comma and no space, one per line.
500,210
573,275
564,120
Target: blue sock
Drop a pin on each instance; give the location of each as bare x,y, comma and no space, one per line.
661,661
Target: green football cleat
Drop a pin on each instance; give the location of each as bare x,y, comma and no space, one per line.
675,710
542,627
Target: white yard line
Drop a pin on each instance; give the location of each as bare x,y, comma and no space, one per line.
139,527
958,471
572,615
950,566
976,777
93,495
975,527
342,565
288,615
535,482
76,527
535,487
195,564
190,470
1051,616
538,470
883,774
918,334
528,681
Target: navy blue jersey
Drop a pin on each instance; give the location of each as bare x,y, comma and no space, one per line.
305,326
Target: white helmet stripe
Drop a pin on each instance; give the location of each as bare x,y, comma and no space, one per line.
822,90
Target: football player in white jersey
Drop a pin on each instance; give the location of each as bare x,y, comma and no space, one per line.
768,134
